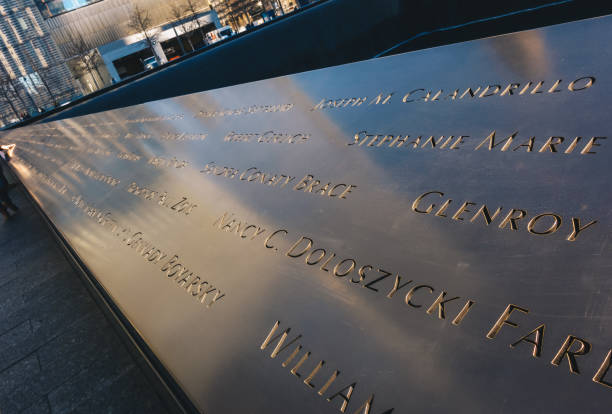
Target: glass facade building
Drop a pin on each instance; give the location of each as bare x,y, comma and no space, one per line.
33,74
50,8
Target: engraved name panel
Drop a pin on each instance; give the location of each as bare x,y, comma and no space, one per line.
426,232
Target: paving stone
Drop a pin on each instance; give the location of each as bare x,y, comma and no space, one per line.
8,338
90,381
12,292
14,380
76,350
40,406
48,315
17,335
58,353
118,397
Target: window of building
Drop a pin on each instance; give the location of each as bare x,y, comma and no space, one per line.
30,14
6,65
17,60
50,8
31,83
41,57
13,29
22,23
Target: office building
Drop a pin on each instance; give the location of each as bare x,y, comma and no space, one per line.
33,75
118,50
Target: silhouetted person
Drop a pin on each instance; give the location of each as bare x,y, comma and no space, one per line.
5,201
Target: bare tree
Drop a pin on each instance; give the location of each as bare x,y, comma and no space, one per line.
192,8
95,61
141,22
177,12
77,48
8,82
5,93
239,8
41,71
54,77
21,86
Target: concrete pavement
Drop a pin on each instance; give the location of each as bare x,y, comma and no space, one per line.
58,353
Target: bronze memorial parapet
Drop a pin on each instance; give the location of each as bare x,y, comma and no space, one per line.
426,232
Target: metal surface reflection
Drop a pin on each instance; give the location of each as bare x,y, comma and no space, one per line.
424,232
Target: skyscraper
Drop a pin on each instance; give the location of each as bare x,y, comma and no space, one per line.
33,75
